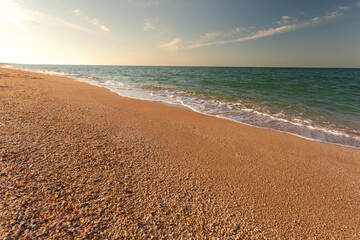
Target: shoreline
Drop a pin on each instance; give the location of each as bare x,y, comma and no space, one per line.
218,178
316,129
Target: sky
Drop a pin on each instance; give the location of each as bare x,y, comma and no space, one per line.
248,33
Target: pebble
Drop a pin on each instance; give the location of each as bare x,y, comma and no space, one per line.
87,177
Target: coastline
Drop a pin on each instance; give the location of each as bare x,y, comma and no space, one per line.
306,123
191,169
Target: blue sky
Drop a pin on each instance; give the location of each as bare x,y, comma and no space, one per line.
323,33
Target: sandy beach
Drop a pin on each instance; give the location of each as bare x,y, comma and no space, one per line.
78,161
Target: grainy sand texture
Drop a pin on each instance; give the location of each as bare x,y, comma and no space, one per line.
80,162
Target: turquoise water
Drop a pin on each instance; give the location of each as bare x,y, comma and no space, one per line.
320,104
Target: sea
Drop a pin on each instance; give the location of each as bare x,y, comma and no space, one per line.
321,104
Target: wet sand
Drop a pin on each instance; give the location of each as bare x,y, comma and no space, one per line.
80,161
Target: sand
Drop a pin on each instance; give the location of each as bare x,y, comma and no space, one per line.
78,161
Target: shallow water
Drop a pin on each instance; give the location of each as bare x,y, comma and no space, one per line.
320,104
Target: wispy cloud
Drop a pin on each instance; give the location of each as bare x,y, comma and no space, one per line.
94,21
149,25
344,8
76,27
258,34
12,13
285,17
23,18
155,27
209,36
172,46
214,36
287,23
284,20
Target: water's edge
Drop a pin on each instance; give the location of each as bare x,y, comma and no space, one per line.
91,80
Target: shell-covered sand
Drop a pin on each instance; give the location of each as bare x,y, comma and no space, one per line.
77,161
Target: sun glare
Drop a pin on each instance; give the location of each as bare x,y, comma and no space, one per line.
12,13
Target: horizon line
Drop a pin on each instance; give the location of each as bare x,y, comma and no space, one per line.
144,65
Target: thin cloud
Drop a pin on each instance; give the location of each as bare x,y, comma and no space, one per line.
93,21
259,34
344,8
155,27
172,46
22,18
76,12
284,20
236,30
208,36
149,26
12,13
286,26
213,36
76,27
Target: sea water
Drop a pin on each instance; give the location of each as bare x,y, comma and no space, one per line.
321,104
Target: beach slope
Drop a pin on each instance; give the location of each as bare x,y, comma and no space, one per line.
80,161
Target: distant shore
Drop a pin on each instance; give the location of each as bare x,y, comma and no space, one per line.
80,161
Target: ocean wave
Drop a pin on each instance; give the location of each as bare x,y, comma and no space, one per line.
249,113
6,66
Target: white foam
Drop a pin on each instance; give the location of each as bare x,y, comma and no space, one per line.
6,66
237,111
